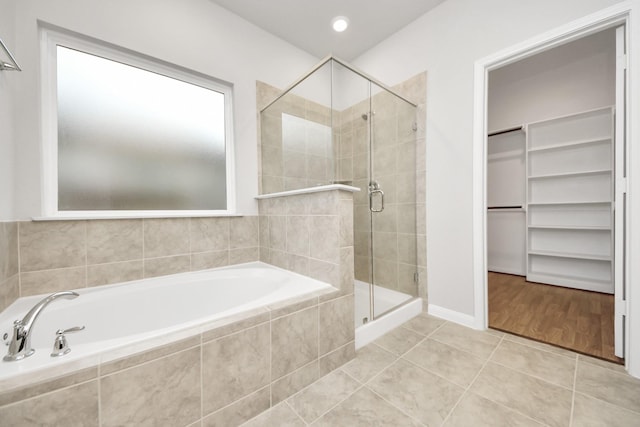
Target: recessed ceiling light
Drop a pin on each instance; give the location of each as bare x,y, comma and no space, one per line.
340,23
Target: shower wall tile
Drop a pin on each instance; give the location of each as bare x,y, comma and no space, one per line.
52,244
112,241
301,155
385,246
406,279
272,184
407,248
272,161
265,94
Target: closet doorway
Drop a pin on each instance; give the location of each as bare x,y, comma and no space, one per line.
553,158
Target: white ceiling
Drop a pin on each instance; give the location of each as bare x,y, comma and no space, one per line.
307,23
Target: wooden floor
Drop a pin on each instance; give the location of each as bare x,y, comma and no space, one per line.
578,320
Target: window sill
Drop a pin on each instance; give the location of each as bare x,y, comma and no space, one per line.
86,215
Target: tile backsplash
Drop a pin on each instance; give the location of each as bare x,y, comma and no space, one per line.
50,256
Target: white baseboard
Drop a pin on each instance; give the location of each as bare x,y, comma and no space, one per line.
454,316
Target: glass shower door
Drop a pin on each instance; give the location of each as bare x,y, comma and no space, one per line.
391,192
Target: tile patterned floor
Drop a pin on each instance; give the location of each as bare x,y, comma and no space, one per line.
435,373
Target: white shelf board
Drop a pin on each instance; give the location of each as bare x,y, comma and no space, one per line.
572,174
560,146
604,286
596,202
604,258
571,227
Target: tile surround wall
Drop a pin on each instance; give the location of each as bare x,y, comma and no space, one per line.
310,234
286,163
248,363
59,255
221,377
396,257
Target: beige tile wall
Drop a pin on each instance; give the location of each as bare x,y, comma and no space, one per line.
398,149
221,377
404,222
312,234
415,89
225,375
9,279
59,255
289,167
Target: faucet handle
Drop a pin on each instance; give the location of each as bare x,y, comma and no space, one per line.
60,345
66,331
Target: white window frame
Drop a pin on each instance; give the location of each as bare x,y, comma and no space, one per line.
50,38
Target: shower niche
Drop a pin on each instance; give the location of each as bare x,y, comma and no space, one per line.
336,125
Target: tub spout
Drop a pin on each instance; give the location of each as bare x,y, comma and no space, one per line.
20,345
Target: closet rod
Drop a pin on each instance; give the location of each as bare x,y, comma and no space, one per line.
504,207
500,132
5,65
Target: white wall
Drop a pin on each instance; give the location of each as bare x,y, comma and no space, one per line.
7,82
571,78
446,42
196,34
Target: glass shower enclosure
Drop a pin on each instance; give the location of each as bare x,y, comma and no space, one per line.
336,125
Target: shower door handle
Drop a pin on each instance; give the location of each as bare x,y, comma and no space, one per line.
371,193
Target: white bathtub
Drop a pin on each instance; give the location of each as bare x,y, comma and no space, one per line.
126,318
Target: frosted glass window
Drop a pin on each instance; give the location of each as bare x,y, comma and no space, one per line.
132,139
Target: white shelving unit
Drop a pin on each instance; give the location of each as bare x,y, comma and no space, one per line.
570,201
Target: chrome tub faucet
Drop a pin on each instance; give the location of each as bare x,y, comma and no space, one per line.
20,345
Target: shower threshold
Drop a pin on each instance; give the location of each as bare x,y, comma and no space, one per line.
392,309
